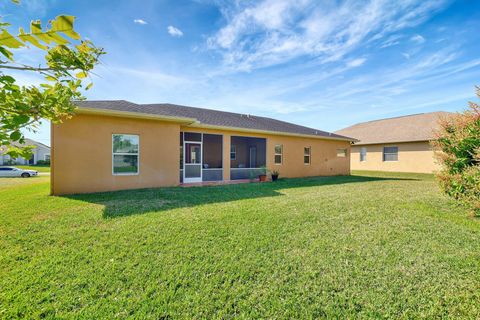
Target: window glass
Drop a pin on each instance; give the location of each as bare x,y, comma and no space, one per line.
233,152
342,153
125,143
278,154
390,153
278,149
193,136
47,157
193,153
306,155
278,159
125,163
125,149
363,154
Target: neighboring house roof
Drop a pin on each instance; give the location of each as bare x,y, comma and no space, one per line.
207,118
416,127
30,142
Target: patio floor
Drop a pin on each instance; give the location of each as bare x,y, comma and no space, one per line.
217,183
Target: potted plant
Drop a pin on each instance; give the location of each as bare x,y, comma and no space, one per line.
275,175
263,176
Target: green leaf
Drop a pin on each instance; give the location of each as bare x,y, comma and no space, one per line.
26,37
7,79
21,119
89,86
81,75
6,39
15,135
64,24
6,53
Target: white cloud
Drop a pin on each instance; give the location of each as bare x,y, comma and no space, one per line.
391,41
152,76
406,55
139,21
270,32
356,62
418,38
174,32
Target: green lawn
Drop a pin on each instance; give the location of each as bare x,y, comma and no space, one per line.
39,168
370,245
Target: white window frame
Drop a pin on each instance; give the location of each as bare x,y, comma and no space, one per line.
45,157
363,154
126,154
234,152
309,155
389,153
278,154
344,152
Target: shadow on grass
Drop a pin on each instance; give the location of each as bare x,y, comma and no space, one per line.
133,202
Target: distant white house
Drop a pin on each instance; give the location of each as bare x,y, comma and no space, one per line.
40,152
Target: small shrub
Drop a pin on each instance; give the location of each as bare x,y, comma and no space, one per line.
9,162
458,150
43,162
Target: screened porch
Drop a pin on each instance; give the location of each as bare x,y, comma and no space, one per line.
247,157
200,157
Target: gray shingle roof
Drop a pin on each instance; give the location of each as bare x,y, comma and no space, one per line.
416,127
210,117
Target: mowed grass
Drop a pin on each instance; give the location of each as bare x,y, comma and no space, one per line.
372,245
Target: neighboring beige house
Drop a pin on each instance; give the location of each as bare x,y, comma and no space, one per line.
399,144
115,145
40,152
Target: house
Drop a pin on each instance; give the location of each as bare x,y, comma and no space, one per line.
399,144
40,152
114,145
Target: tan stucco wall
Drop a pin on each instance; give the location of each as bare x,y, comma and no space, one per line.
82,154
412,157
324,160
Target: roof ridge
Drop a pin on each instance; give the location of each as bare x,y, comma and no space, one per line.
198,108
398,117
112,100
241,114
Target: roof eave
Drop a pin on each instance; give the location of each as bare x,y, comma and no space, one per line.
134,115
278,133
390,142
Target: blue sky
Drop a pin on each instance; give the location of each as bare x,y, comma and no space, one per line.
323,64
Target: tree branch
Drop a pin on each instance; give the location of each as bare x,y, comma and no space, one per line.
26,68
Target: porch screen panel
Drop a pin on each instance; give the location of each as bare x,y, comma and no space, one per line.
192,171
212,175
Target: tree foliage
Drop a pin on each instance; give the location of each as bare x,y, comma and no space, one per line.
68,61
458,150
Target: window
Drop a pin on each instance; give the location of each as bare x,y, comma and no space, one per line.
363,154
233,152
125,149
278,154
306,155
6,169
193,136
46,157
341,153
390,153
